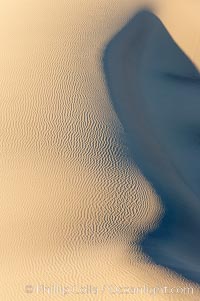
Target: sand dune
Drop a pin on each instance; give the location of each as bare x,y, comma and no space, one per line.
155,89
74,204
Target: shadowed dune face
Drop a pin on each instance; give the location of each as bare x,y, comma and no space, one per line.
155,90
73,206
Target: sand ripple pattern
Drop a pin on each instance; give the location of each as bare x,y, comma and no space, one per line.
73,204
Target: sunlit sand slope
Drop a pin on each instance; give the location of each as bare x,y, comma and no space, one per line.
74,205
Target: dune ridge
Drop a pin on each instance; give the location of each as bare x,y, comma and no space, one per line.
74,204
154,88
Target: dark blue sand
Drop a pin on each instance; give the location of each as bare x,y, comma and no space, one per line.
155,91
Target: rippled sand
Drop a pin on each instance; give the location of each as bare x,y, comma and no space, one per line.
74,205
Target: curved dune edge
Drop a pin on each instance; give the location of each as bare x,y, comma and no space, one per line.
70,198
147,76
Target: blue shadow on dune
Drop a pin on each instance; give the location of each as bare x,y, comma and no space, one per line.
155,90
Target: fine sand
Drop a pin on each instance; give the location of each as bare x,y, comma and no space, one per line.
155,90
77,205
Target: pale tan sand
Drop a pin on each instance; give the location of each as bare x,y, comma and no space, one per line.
71,200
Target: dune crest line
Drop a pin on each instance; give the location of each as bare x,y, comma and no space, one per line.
154,88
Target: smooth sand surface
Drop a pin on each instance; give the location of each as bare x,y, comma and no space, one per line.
74,204
155,90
